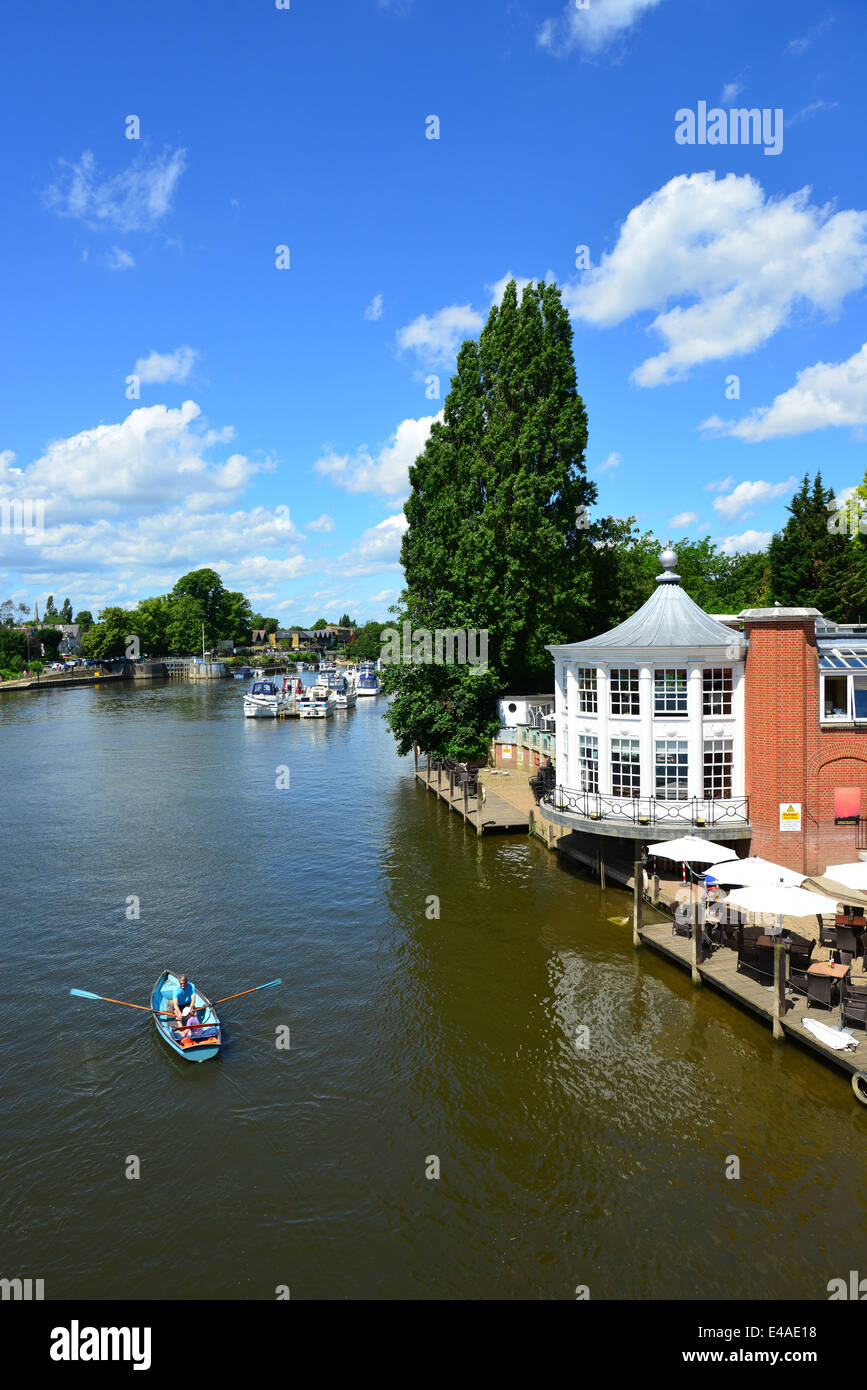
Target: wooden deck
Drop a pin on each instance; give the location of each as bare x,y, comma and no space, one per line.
721,972
497,814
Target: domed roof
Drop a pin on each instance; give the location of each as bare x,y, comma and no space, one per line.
669,618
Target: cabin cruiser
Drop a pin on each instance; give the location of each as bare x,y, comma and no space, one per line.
368,679
345,694
243,673
317,702
262,701
292,687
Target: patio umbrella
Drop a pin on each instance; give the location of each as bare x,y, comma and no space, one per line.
850,875
690,848
758,871
780,900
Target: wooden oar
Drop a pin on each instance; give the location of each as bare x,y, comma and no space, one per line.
247,991
86,994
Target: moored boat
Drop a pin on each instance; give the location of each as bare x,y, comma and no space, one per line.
317,702
262,701
368,680
204,1040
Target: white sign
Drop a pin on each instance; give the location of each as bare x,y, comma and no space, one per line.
790,815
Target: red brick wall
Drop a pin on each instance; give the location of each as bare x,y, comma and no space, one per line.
788,757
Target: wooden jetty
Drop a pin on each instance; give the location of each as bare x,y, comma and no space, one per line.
487,814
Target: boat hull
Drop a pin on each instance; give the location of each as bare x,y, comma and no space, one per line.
161,998
254,709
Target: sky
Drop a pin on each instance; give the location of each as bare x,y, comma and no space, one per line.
242,242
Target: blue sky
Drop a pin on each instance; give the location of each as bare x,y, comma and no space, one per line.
279,409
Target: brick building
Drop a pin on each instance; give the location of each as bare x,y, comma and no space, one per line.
749,729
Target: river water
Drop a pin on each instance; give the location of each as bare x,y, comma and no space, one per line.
416,1041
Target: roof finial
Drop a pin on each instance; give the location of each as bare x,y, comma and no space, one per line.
668,560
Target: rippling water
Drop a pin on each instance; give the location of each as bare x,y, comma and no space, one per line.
411,1037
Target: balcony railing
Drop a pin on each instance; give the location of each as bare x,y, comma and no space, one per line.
648,810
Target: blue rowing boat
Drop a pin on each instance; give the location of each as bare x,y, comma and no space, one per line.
202,1043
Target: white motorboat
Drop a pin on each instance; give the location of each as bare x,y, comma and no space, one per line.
368,680
317,702
262,701
345,694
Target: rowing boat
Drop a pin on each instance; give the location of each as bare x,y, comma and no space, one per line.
197,1046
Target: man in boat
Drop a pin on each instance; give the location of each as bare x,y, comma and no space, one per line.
183,1002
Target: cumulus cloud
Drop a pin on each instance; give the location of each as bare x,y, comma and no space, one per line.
156,456
746,496
734,265
159,367
719,484
748,542
374,308
683,519
378,549
133,200
386,472
323,523
435,338
594,27
827,394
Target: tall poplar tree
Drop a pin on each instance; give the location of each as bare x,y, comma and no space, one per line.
498,534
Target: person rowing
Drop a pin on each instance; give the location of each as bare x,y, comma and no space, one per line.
183,1003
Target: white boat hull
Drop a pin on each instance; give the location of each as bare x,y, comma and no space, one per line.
260,709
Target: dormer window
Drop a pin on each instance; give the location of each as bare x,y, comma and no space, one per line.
669,693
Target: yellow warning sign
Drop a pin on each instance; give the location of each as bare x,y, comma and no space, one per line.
790,815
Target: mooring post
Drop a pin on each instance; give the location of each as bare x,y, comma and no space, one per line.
439,774
779,990
428,769
601,872
415,758
697,935
654,890
451,784
637,900
466,799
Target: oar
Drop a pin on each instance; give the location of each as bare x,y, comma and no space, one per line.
247,991
86,994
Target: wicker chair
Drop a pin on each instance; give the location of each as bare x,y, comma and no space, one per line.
853,1008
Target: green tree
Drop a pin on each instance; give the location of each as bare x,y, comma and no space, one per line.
184,628
236,619
320,623
367,645
206,588
107,637
812,564
13,650
498,536
50,637
346,621
66,611
260,623
84,619
50,610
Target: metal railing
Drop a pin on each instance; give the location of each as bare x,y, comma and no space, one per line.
648,810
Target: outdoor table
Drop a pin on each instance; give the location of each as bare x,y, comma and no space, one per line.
822,977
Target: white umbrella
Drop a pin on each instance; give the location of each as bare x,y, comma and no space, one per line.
778,900
758,871
690,848
850,875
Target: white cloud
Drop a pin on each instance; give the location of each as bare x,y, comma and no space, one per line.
805,41
731,90
592,28
388,471
748,542
133,200
374,308
683,519
378,549
719,484
737,263
613,461
159,367
807,111
749,495
153,457
436,338
323,523
120,260
827,394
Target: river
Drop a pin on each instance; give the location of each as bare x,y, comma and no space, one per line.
417,1041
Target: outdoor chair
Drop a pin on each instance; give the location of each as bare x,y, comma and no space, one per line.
853,1008
748,952
827,935
847,944
800,956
